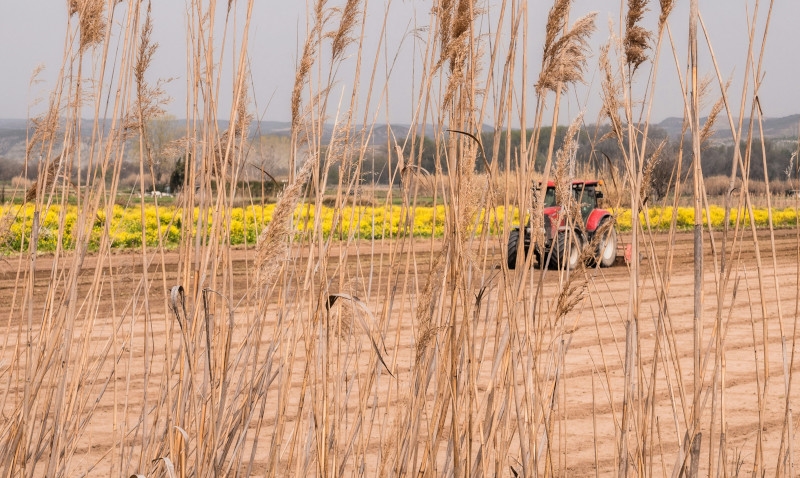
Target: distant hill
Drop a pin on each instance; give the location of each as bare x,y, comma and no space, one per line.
12,124
12,138
13,131
774,128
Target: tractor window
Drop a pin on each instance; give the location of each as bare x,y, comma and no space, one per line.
550,197
586,197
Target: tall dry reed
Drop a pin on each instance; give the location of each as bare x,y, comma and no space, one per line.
310,353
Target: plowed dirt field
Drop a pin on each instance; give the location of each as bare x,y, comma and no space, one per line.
758,314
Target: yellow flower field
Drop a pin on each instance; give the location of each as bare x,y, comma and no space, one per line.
660,218
126,224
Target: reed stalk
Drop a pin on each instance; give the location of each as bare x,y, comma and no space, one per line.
316,352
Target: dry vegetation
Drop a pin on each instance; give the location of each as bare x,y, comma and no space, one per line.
406,357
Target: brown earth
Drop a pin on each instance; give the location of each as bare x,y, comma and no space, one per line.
759,331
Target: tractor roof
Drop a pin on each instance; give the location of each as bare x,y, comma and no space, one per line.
577,182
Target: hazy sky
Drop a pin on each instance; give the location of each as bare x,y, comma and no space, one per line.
32,32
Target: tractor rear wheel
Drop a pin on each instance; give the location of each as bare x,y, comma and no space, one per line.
513,248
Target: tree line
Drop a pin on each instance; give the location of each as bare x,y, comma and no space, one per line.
598,152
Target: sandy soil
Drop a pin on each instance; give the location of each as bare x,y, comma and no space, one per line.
587,410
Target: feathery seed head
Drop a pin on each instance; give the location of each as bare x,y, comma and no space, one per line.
342,37
273,243
304,67
455,19
50,172
556,24
666,9
647,174
637,38
91,21
243,116
150,99
565,59
444,12
146,51
708,128
565,165
611,92
574,290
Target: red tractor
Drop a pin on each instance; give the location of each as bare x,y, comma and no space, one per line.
564,242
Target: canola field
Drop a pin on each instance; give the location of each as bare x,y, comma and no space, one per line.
128,227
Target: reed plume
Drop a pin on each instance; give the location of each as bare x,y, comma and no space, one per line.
444,12
637,38
565,58
556,24
151,99
34,79
647,173
708,127
565,162
462,23
273,242
91,20
428,302
44,128
575,288
465,15
178,147
47,177
565,170
343,35
243,115
306,62
456,44
611,92
666,9
301,77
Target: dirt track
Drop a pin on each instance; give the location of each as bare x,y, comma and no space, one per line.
589,409
126,266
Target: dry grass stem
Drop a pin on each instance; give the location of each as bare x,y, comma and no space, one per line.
365,320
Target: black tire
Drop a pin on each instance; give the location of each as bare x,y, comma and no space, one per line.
513,245
566,255
606,252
